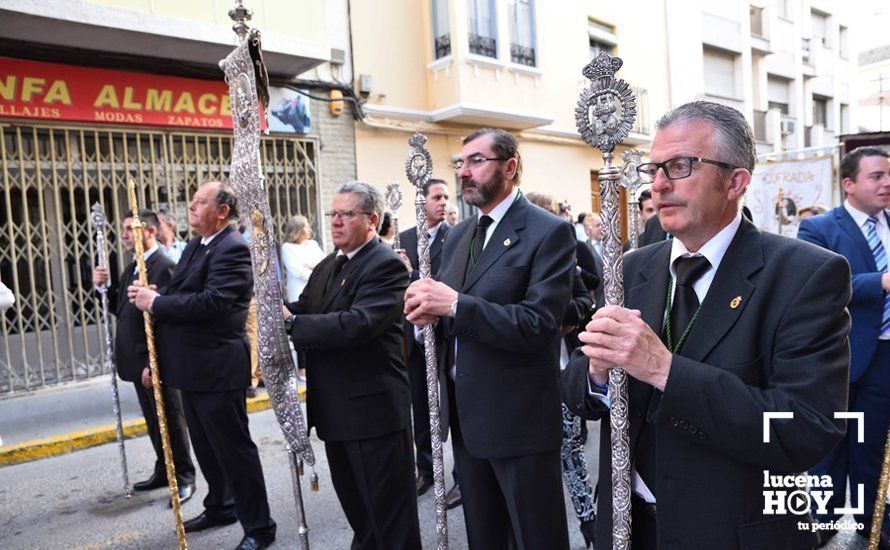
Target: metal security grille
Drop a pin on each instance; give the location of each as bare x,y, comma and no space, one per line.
51,176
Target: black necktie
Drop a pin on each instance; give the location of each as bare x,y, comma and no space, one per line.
338,266
479,239
685,303
683,308
198,251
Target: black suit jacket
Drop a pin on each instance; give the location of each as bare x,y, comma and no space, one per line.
351,340
782,348
130,348
508,325
408,240
202,344
652,232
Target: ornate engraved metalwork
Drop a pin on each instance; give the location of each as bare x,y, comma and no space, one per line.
877,519
606,109
100,223
276,361
631,181
393,203
419,169
604,115
138,226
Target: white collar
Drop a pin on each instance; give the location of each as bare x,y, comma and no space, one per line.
206,240
713,250
150,251
861,217
500,210
351,255
433,231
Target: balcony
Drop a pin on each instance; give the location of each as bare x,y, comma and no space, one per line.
522,55
483,45
641,123
443,46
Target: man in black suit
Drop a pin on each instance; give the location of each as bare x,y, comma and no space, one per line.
131,357
436,193
755,324
652,232
347,325
203,351
506,279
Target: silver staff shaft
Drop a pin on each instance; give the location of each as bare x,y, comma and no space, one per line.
419,168
100,222
302,528
394,202
604,116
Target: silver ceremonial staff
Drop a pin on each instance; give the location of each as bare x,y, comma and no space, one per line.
248,86
394,202
604,116
419,168
631,181
100,224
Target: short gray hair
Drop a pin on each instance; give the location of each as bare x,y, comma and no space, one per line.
369,198
734,139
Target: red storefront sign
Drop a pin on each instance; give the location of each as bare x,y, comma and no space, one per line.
52,91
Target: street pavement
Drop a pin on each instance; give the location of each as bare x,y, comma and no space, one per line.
75,501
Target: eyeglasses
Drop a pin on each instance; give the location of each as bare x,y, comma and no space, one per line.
344,214
473,162
675,168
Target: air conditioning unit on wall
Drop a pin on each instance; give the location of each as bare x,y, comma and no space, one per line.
788,126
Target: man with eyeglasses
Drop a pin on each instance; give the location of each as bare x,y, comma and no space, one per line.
347,326
722,325
503,287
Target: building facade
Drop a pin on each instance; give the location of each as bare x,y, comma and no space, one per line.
95,93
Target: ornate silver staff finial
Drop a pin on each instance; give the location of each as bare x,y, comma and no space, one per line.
100,226
240,15
419,169
247,78
604,116
393,203
631,181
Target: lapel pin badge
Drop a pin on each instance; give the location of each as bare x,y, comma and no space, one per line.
506,242
343,281
735,302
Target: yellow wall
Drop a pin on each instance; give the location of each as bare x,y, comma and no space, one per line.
303,19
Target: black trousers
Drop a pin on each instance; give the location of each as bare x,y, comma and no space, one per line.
511,502
176,427
229,459
374,481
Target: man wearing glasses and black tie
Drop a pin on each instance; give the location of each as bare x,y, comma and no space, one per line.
347,326
506,278
721,325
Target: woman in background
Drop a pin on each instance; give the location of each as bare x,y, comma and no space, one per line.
299,255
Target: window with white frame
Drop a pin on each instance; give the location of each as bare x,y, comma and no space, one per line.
522,31
602,38
843,39
821,28
820,111
845,118
720,73
778,94
483,27
441,28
